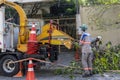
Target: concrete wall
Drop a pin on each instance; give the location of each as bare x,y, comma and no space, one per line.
103,20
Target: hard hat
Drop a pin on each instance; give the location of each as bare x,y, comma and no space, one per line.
99,37
83,27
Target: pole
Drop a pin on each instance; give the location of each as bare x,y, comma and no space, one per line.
49,41
78,19
50,32
58,29
77,7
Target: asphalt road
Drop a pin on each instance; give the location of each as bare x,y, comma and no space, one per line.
47,73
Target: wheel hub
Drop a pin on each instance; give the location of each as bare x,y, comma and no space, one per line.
8,66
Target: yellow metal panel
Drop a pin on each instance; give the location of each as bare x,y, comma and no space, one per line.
58,37
67,43
54,33
47,27
54,42
22,47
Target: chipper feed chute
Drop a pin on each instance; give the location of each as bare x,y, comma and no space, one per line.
57,37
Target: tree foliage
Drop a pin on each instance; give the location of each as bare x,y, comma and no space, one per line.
94,2
63,7
107,59
11,13
103,1
69,7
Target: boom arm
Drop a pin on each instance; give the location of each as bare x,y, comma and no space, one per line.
23,34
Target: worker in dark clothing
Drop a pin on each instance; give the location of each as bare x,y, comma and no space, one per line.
96,42
87,54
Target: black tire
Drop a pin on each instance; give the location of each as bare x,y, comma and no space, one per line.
53,55
8,69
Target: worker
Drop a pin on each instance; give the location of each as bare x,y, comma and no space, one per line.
96,42
87,54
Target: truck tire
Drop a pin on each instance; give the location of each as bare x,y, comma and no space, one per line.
53,55
7,69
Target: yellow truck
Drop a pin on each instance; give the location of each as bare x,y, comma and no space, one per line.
9,52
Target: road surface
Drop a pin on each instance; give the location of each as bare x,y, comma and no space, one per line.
65,58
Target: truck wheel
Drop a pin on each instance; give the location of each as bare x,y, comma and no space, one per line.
7,68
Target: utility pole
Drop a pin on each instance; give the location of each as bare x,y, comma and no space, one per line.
77,7
78,19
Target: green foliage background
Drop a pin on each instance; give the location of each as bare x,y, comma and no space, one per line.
108,59
91,2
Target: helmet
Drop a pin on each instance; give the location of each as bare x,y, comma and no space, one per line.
83,27
99,37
